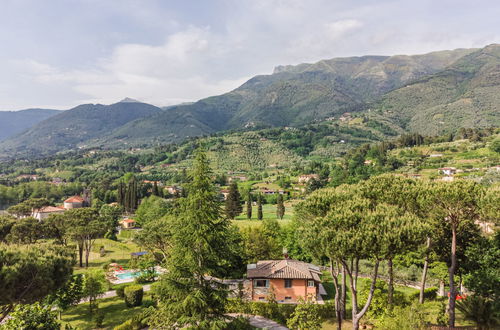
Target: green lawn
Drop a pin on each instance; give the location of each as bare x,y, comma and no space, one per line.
116,251
268,211
114,310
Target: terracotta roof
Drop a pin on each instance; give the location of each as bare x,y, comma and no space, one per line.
50,209
128,220
74,199
291,269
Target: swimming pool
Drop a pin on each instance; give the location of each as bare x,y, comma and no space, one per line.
131,274
128,275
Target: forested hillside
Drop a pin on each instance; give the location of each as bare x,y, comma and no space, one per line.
14,122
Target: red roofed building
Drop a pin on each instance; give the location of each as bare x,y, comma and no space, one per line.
289,279
127,223
74,202
44,212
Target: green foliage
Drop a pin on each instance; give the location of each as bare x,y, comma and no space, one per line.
429,294
133,295
120,291
29,274
482,311
483,275
305,316
233,205
26,231
280,207
94,287
495,145
380,306
403,318
32,317
152,208
69,295
199,249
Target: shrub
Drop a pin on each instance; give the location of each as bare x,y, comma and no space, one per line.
120,291
133,295
99,318
129,325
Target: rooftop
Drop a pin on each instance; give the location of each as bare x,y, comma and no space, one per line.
287,268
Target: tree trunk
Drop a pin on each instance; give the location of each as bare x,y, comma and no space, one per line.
356,316
424,272
390,285
356,272
80,253
338,312
451,273
343,293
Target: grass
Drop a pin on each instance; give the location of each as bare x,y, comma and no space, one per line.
116,251
268,211
114,310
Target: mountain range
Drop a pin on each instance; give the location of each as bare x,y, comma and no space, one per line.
433,93
14,122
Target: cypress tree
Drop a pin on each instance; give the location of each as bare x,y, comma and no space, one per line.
233,202
260,215
188,295
249,205
280,207
155,191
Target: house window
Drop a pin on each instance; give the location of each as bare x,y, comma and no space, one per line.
261,283
288,283
288,298
310,283
262,298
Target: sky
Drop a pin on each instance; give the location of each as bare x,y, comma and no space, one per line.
60,53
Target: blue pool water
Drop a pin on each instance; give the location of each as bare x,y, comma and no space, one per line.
128,275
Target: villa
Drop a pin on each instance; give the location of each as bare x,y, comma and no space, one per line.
288,279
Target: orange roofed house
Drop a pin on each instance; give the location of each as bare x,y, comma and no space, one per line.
289,279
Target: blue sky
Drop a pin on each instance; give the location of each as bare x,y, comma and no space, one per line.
61,53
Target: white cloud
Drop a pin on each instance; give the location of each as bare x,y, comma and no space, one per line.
189,60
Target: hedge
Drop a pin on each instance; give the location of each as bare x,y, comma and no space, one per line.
133,295
274,311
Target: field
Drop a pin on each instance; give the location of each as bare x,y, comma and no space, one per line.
268,212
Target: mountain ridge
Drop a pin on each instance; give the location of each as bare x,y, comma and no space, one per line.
408,93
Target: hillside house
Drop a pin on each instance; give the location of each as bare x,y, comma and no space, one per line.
447,170
305,178
172,190
224,193
127,223
289,280
74,202
45,212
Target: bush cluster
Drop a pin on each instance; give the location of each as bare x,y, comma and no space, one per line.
133,295
274,311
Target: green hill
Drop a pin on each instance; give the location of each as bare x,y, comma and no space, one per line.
14,122
291,96
73,128
383,96
465,94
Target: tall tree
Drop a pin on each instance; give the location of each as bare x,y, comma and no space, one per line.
344,227
85,227
280,207
454,203
403,194
233,202
249,205
188,294
260,215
